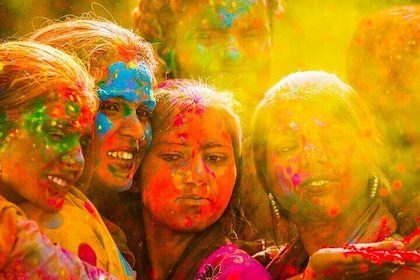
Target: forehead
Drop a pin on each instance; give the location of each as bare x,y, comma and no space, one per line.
130,81
224,14
196,121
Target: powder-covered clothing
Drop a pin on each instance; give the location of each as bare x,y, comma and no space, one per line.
25,253
374,225
230,262
79,228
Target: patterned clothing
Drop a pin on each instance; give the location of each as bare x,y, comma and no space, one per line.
79,228
230,262
25,253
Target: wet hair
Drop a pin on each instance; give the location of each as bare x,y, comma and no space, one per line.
178,95
29,71
97,42
156,20
322,90
383,52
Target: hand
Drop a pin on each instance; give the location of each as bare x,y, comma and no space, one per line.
409,220
360,261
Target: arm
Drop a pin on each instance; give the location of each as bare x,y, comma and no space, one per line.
25,252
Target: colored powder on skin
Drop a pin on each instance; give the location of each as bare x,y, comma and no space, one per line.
188,222
113,172
129,81
102,125
296,179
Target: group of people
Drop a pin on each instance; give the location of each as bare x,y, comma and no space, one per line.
119,160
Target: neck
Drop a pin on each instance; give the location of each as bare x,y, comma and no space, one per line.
102,199
330,231
165,247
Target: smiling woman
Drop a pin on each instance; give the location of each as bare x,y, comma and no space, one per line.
320,160
123,66
47,102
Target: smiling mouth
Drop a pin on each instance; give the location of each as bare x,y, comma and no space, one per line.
58,181
122,155
318,183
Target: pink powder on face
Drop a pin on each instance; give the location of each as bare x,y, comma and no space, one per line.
189,222
296,179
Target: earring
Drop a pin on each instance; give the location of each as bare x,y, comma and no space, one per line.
373,187
274,205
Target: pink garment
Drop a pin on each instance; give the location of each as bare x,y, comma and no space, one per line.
230,262
25,253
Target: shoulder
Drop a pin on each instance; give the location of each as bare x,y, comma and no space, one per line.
231,261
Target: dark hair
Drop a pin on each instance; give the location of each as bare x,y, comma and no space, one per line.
156,20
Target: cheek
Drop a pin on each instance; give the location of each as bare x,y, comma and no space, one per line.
102,124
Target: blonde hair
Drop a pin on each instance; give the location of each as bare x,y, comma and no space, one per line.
97,42
29,70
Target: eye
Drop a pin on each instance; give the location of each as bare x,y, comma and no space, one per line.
143,114
170,157
56,135
109,106
216,158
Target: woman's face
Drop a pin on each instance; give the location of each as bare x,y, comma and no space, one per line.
226,41
189,173
122,125
313,165
41,156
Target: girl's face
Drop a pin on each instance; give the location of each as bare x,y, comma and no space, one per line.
122,125
313,165
189,173
41,156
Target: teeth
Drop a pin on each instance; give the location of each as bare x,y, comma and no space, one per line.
58,181
121,155
319,183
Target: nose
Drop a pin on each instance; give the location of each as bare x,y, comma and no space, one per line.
198,173
74,158
133,127
231,52
314,153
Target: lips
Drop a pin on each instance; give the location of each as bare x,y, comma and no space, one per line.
59,185
318,185
194,200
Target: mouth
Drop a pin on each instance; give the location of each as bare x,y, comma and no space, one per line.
194,200
121,155
317,183
60,182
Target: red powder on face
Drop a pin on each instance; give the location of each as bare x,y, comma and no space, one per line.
178,121
397,185
333,211
383,192
189,222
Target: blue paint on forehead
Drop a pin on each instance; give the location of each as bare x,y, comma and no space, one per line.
228,16
102,123
129,81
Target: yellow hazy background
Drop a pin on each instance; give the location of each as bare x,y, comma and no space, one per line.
310,34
